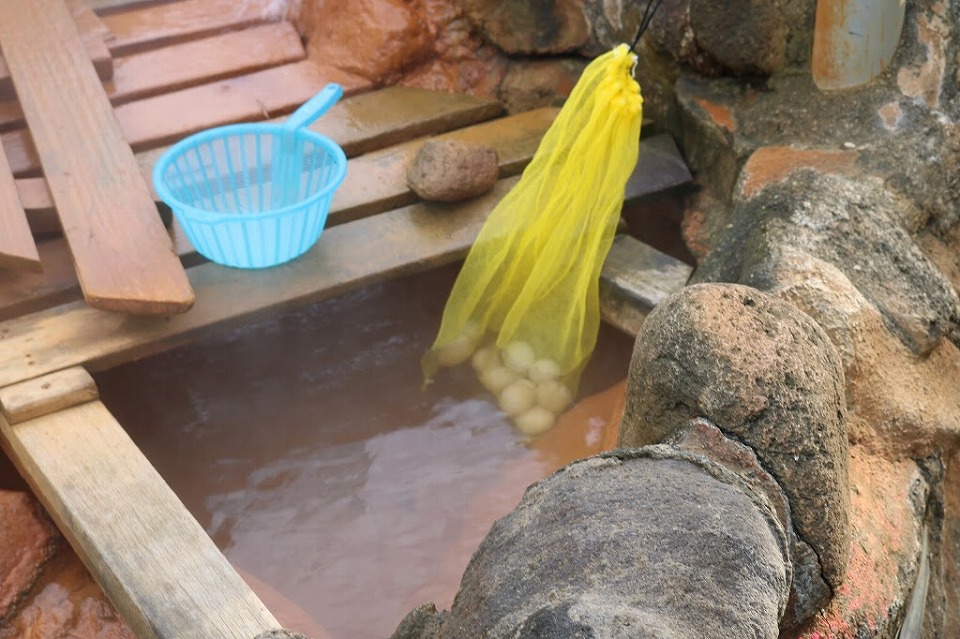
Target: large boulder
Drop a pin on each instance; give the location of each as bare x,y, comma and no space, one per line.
767,375
520,27
643,543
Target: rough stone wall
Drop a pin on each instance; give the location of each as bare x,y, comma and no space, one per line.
845,205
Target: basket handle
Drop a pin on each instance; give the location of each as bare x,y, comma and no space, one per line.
314,107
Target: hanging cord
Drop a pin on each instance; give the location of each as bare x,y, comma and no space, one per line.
648,14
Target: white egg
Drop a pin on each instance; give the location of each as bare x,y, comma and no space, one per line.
518,356
485,358
535,421
554,396
544,370
518,397
473,330
456,352
496,378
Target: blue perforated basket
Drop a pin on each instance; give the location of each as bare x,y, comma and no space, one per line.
254,195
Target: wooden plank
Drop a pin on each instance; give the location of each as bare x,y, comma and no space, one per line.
636,278
151,557
355,124
369,250
360,123
122,253
164,70
202,61
166,118
377,182
161,25
47,394
95,36
17,248
95,50
108,7
414,112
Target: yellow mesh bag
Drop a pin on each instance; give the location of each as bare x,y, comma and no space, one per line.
526,300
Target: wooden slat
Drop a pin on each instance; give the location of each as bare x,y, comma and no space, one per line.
372,249
376,181
414,112
17,248
636,278
158,26
151,557
184,65
95,49
207,60
122,253
355,124
660,168
47,394
166,118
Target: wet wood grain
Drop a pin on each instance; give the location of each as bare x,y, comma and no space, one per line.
160,25
184,65
47,394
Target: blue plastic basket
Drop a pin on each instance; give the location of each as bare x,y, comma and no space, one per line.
254,195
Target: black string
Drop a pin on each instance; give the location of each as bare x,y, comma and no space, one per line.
648,13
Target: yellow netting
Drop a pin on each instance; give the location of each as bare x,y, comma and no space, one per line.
530,283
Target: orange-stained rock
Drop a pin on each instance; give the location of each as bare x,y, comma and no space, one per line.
885,498
375,39
66,603
721,114
27,541
773,163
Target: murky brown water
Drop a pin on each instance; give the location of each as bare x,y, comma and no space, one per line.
307,450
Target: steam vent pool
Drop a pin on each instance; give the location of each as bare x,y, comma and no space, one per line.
306,448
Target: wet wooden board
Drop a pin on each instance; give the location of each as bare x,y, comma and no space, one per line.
659,169
164,119
210,59
17,248
93,40
415,112
122,253
161,25
356,124
369,250
48,394
637,277
149,555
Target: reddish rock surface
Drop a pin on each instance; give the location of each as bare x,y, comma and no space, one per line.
27,541
429,44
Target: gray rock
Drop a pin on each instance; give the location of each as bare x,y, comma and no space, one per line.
518,26
451,170
280,634
423,622
767,376
531,84
635,543
854,225
747,37
809,592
